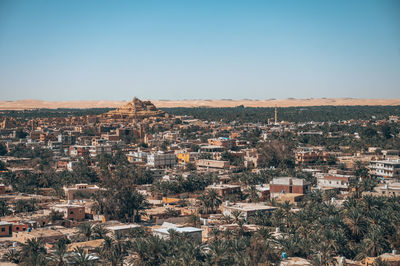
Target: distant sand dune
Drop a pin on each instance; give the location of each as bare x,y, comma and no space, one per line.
289,102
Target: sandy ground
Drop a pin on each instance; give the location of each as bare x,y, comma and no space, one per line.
33,104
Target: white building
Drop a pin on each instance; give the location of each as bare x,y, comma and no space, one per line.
99,149
137,156
164,230
161,159
385,169
334,181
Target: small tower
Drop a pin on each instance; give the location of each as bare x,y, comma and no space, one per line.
134,107
276,115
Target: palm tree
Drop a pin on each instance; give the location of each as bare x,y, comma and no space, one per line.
214,199
315,196
277,218
194,220
218,253
191,253
262,252
350,203
137,232
170,212
113,251
173,234
227,219
323,259
55,216
229,234
4,208
205,203
13,256
291,245
214,233
237,216
135,204
371,203
253,194
286,207
99,231
356,223
86,229
81,258
264,234
33,252
58,257
374,242
150,251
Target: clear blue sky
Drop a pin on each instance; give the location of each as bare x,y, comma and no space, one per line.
114,50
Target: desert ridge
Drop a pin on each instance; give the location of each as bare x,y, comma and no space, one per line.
289,102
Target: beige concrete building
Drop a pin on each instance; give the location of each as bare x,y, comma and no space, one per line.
71,212
247,209
212,164
70,191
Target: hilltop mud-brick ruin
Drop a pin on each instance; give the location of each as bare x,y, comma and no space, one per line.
135,109
132,113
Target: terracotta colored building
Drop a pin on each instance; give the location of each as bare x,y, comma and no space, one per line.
19,227
282,185
5,229
71,211
2,189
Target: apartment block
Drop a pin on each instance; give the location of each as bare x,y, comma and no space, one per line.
385,168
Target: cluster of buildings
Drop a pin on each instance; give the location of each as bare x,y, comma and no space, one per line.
169,146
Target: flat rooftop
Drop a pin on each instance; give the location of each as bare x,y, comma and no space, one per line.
164,230
241,206
67,206
122,227
387,161
221,186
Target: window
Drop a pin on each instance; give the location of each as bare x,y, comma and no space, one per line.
3,229
71,212
17,228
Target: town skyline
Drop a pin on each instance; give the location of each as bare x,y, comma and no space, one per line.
213,132
137,184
